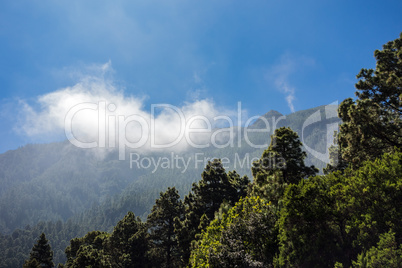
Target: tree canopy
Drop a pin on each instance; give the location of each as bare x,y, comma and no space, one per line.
372,125
41,254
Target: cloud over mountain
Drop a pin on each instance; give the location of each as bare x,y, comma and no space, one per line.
95,112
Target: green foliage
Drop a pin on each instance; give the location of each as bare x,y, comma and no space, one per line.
31,264
372,124
128,243
42,253
244,237
281,164
88,251
67,192
308,226
15,247
345,214
126,246
164,250
284,154
336,162
52,182
385,254
240,185
215,187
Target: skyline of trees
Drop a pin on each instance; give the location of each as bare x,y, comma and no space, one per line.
288,216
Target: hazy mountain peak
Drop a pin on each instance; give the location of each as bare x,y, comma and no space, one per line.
272,114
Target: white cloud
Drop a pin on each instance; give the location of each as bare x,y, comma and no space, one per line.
290,98
280,74
105,112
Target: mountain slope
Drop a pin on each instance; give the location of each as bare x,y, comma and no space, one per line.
59,181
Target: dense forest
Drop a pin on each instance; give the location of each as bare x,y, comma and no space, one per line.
287,215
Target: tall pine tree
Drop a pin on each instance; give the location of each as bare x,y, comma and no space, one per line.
41,254
163,241
215,187
128,242
285,155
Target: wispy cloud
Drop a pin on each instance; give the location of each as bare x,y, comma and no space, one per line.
290,98
280,75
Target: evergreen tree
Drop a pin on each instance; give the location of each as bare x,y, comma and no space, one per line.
42,253
240,184
163,241
281,163
187,228
215,187
128,242
284,154
372,124
244,236
332,218
206,197
88,251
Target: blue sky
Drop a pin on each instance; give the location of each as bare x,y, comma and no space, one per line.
281,55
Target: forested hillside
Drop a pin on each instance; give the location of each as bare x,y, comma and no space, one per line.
277,212
94,190
58,181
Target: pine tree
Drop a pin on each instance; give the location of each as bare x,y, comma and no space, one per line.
42,253
206,197
241,236
128,242
88,251
163,240
214,187
285,155
372,125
